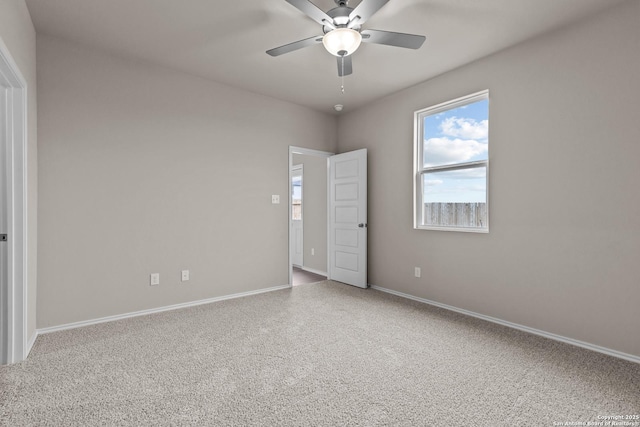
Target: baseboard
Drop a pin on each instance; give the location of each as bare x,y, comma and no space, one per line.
155,310
314,271
30,343
555,337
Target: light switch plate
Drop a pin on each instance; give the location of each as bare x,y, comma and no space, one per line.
155,279
275,199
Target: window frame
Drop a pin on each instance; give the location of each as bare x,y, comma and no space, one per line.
419,170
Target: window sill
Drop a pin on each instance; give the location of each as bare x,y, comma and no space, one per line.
459,229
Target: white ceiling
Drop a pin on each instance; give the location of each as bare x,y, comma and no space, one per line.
226,41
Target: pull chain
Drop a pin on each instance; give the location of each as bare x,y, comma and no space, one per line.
342,54
342,87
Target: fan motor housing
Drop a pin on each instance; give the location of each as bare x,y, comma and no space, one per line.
340,17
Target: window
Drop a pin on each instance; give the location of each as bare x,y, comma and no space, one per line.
296,195
452,165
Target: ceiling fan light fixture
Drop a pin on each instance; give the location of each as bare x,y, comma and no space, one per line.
342,40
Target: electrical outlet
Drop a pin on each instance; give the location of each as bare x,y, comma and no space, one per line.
418,272
275,199
185,275
155,279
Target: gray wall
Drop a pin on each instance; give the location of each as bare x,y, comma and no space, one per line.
18,34
146,170
314,210
562,255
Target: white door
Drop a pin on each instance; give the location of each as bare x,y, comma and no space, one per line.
348,218
297,236
13,139
3,232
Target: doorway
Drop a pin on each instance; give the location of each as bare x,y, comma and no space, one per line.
297,224
340,224
307,215
13,210
348,218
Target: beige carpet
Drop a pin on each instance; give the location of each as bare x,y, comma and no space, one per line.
321,354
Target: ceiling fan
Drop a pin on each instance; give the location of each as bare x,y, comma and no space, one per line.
343,33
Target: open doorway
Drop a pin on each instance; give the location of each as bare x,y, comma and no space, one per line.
297,222
307,215
338,250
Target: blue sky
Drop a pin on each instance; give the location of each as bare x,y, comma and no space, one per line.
296,182
456,136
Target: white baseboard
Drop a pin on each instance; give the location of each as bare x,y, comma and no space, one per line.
155,310
314,271
588,346
31,342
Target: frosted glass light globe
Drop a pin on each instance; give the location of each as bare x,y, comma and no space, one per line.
342,40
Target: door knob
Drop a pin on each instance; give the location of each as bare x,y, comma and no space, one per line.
361,225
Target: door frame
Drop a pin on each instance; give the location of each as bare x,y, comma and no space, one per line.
306,152
13,143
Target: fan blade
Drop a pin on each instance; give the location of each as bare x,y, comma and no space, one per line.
312,11
294,46
409,41
344,68
364,11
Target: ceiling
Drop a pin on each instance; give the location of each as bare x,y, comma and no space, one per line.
225,41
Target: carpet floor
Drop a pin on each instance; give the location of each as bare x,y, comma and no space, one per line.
320,354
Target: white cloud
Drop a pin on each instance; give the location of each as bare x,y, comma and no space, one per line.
444,151
466,174
465,128
433,182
